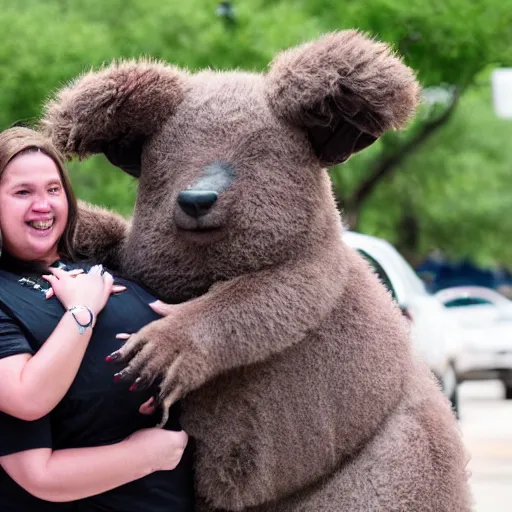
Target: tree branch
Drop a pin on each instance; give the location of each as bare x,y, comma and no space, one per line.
386,166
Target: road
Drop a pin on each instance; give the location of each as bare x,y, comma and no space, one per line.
486,421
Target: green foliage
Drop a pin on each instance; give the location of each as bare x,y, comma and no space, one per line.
458,186
447,41
96,181
46,43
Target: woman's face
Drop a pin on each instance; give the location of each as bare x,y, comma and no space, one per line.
33,207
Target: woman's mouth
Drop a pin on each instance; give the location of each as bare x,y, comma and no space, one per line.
42,225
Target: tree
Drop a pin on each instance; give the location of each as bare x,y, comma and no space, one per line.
454,193
448,42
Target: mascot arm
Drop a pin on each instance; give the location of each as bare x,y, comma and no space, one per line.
237,323
100,235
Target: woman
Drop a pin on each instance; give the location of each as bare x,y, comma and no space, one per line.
95,451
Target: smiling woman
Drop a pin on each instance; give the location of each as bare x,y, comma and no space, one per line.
33,207
38,209
67,430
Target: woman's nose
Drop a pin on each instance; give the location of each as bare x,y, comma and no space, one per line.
41,205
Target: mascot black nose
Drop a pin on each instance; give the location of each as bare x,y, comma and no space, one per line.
196,203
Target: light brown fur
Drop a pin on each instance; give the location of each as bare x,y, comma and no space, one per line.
100,235
292,360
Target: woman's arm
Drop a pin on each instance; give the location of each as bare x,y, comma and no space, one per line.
73,474
32,386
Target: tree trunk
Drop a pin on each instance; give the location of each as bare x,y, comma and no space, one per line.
384,167
408,231
350,218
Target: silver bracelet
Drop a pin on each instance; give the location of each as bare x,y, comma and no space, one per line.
82,327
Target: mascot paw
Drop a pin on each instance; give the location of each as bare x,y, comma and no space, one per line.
158,352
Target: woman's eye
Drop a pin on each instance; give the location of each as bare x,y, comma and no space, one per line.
54,190
22,192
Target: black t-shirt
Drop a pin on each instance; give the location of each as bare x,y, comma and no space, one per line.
95,411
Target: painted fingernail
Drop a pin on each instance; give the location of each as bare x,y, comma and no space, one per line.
118,376
113,357
122,336
135,385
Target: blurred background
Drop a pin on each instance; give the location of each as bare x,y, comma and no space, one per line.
436,197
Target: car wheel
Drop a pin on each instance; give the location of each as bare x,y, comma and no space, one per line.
451,382
454,400
506,378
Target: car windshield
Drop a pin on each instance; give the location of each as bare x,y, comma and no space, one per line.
411,277
379,271
472,296
398,271
411,281
467,301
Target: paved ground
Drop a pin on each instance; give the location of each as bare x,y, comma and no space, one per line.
486,421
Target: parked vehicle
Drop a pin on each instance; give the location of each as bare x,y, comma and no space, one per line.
485,319
434,334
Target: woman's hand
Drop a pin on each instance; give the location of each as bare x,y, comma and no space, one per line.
164,448
72,273
92,289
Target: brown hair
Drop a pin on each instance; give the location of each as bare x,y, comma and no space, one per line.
18,140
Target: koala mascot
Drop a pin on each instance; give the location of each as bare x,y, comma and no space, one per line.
293,363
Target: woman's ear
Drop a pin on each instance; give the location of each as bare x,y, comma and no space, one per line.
345,90
114,110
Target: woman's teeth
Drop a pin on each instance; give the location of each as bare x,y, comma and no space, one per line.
42,224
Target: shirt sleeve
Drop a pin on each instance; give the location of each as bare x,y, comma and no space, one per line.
19,435
12,339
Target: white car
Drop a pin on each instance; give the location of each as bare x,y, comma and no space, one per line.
485,319
434,334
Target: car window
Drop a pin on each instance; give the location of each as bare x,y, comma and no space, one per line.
413,280
379,271
409,280
466,301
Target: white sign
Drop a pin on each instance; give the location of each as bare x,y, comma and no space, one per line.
502,92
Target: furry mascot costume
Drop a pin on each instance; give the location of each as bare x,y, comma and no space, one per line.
293,363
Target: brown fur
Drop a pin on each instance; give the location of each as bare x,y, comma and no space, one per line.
84,115
294,363
362,76
100,235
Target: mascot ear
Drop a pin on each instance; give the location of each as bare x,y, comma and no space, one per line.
113,111
345,90
125,153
